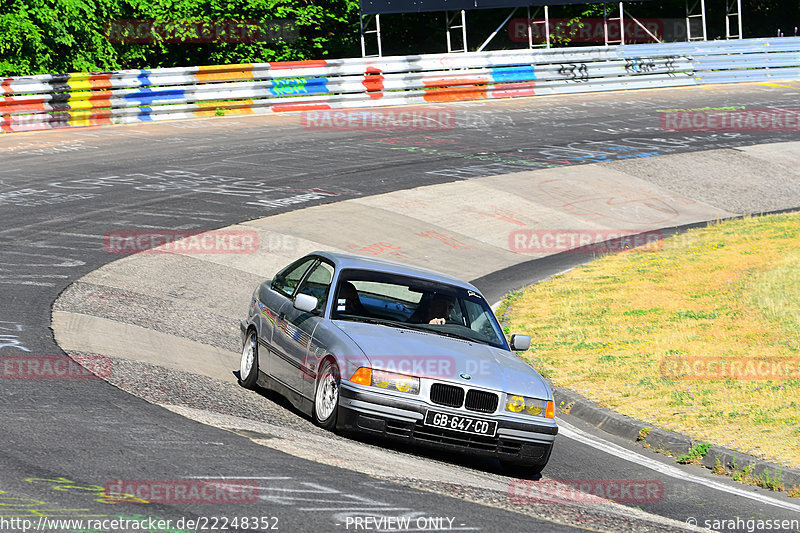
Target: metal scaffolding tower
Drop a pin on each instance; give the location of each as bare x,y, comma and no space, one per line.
450,27
530,23
376,19
691,15
456,23
730,5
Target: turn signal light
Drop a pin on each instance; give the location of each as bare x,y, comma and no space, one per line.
362,376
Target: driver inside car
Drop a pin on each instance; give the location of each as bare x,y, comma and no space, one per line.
439,309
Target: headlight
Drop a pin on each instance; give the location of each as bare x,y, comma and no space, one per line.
392,381
386,380
530,406
515,404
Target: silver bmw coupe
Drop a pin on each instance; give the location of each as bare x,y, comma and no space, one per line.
397,352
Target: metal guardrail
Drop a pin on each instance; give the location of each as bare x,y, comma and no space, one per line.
83,99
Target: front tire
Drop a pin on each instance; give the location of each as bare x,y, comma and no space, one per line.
248,366
326,397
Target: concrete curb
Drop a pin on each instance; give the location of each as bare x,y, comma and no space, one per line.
668,441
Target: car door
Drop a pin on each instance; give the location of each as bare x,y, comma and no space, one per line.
294,329
274,298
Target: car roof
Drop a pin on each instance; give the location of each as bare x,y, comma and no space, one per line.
341,261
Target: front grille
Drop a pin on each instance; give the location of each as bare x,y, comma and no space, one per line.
478,400
448,395
399,429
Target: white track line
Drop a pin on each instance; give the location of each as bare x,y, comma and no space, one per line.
238,477
578,435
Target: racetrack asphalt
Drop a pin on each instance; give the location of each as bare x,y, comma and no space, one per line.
62,191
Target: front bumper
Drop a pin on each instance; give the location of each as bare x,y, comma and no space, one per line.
396,418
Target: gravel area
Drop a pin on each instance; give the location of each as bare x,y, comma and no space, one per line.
161,385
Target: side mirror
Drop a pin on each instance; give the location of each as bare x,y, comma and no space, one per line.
305,303
520,343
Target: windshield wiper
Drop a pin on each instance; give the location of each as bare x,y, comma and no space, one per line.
454,335
357,318
424,327
389,323
378,321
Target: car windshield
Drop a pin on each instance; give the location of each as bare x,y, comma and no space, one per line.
404,301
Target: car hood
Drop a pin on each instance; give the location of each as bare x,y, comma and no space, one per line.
445,358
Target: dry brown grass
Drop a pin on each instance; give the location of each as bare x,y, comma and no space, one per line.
730,292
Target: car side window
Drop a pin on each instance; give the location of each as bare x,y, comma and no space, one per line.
318,284
286,281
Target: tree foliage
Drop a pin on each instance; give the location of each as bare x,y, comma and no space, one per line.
46,36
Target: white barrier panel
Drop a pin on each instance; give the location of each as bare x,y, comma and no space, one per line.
81,99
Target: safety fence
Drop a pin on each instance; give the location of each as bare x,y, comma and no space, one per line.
84,99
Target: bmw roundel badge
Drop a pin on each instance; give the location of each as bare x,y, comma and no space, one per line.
466,376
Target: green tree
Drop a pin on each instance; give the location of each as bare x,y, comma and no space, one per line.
47,36
39,36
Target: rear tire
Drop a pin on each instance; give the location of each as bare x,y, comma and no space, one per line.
326,396
248,366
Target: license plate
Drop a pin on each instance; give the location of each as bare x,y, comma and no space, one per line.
464,424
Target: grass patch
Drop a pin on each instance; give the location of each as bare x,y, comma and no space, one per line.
695,455
642,437
777,293
728,292
772,481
